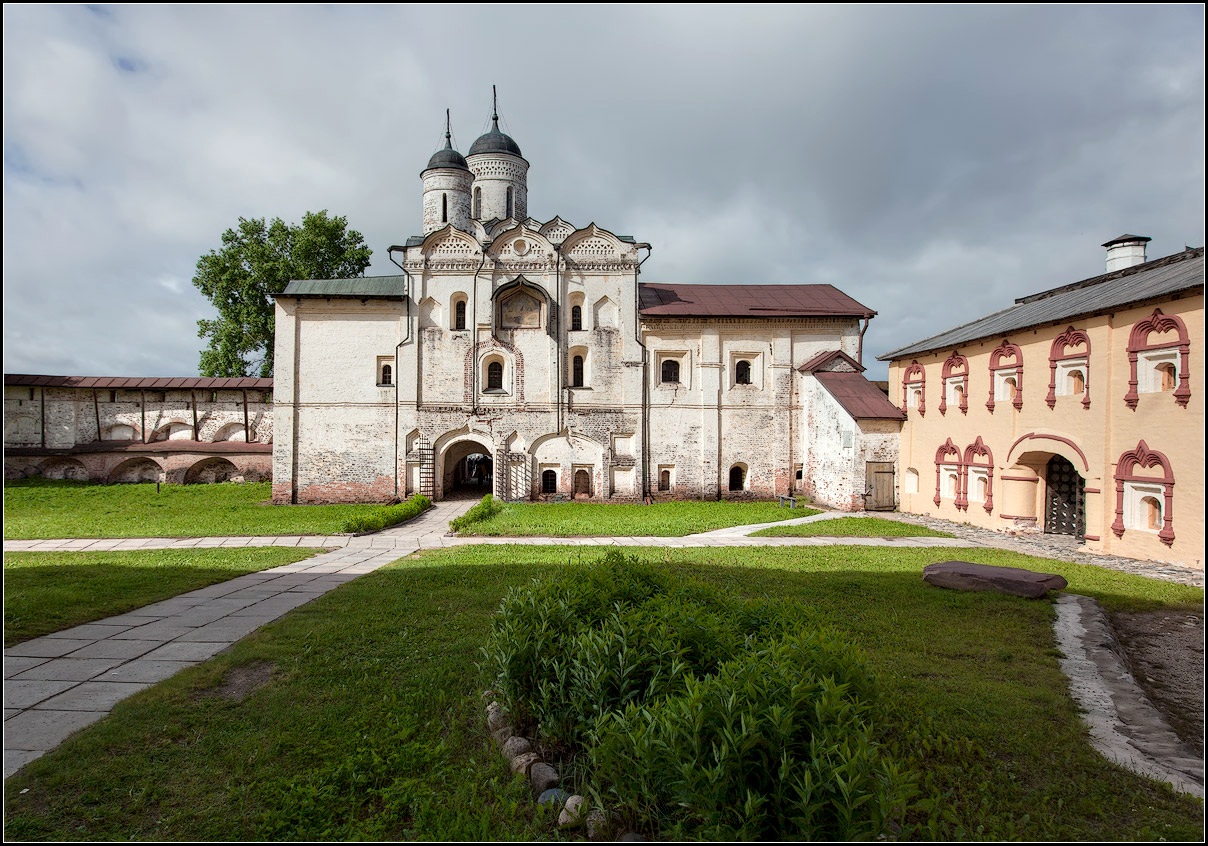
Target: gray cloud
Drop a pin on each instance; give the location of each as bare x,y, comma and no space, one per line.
934,162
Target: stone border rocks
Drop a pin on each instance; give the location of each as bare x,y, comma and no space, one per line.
524,758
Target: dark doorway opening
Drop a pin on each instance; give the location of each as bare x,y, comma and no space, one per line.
582,484
1065,499
474,472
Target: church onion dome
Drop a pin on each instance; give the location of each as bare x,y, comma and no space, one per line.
495,142
447,157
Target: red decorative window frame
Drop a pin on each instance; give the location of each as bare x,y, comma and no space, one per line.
1004,349
1071,337
1143,456
954,362
1138,342
973,452
952,449
914,376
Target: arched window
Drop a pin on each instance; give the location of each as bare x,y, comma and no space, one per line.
914,388
742,372
1144,499
1077,382
509,209
549,482
1166,376
955,375
576,318
459,315
1153,513
1069,367
736,477
444,208
495,376
477,203
671,372
1159,350
387,373
1006,375
576,377
664,480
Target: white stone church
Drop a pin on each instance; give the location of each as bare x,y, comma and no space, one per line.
524,358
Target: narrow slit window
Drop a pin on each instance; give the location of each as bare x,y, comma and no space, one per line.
444,208
459,315
576,318
509,208
576,378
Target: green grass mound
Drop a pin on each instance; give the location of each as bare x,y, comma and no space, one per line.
483,510
385,516
693,714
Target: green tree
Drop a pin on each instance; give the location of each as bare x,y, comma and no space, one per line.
258,260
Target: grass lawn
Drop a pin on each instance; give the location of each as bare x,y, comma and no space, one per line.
662,519
852,527
36,508
371,726
49,591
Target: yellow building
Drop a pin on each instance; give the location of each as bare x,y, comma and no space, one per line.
1077,411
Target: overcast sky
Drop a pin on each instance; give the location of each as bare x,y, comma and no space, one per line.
933,162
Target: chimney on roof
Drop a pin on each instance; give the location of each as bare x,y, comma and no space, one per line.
1125,251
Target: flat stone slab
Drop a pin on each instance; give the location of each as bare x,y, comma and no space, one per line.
965,575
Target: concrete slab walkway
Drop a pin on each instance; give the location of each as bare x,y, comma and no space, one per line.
57,684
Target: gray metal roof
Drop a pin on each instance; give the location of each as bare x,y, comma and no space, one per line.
1162,277
381,287
495,142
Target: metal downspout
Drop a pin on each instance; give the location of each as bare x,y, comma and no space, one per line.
397,372
563,339
637,314
474,336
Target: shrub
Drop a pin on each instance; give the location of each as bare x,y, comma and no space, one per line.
777,745
384,516
708,715
485,509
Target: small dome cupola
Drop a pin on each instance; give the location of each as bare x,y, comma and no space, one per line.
447,180
495,141
447,157
500,174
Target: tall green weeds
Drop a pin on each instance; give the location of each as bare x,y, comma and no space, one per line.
694,714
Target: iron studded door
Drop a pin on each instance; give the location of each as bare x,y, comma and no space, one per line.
1064,512
878,482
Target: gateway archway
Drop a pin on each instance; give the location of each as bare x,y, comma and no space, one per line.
466,469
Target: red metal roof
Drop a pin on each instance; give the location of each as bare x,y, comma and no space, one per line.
150,383
860,398
660,300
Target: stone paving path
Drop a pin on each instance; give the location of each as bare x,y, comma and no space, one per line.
57,684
